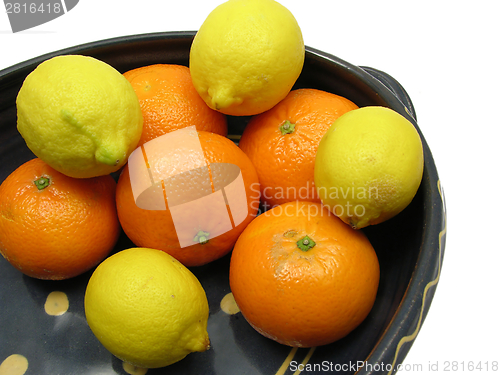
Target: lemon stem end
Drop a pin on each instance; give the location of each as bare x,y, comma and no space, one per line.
104,156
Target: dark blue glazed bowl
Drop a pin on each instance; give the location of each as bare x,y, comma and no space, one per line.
410,248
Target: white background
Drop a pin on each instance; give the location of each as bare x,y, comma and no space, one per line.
446,55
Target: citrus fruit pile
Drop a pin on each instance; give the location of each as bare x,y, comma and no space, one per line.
287,199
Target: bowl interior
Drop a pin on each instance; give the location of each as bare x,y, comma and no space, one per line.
406,246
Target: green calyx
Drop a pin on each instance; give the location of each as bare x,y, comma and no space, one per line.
287,127
42,182
306,243
201,237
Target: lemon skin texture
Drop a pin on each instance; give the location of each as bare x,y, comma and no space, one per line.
246,56
369,166
146,308
79,115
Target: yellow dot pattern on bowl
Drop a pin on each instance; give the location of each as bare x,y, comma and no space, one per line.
133,370
228,304
15,364
57,303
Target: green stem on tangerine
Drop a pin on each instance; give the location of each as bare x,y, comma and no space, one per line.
42,182
201,237
287,127
306,243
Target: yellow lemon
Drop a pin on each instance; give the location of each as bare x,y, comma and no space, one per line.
369,165
79,115
246,56
146,308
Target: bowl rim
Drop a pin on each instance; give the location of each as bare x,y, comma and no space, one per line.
419,293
